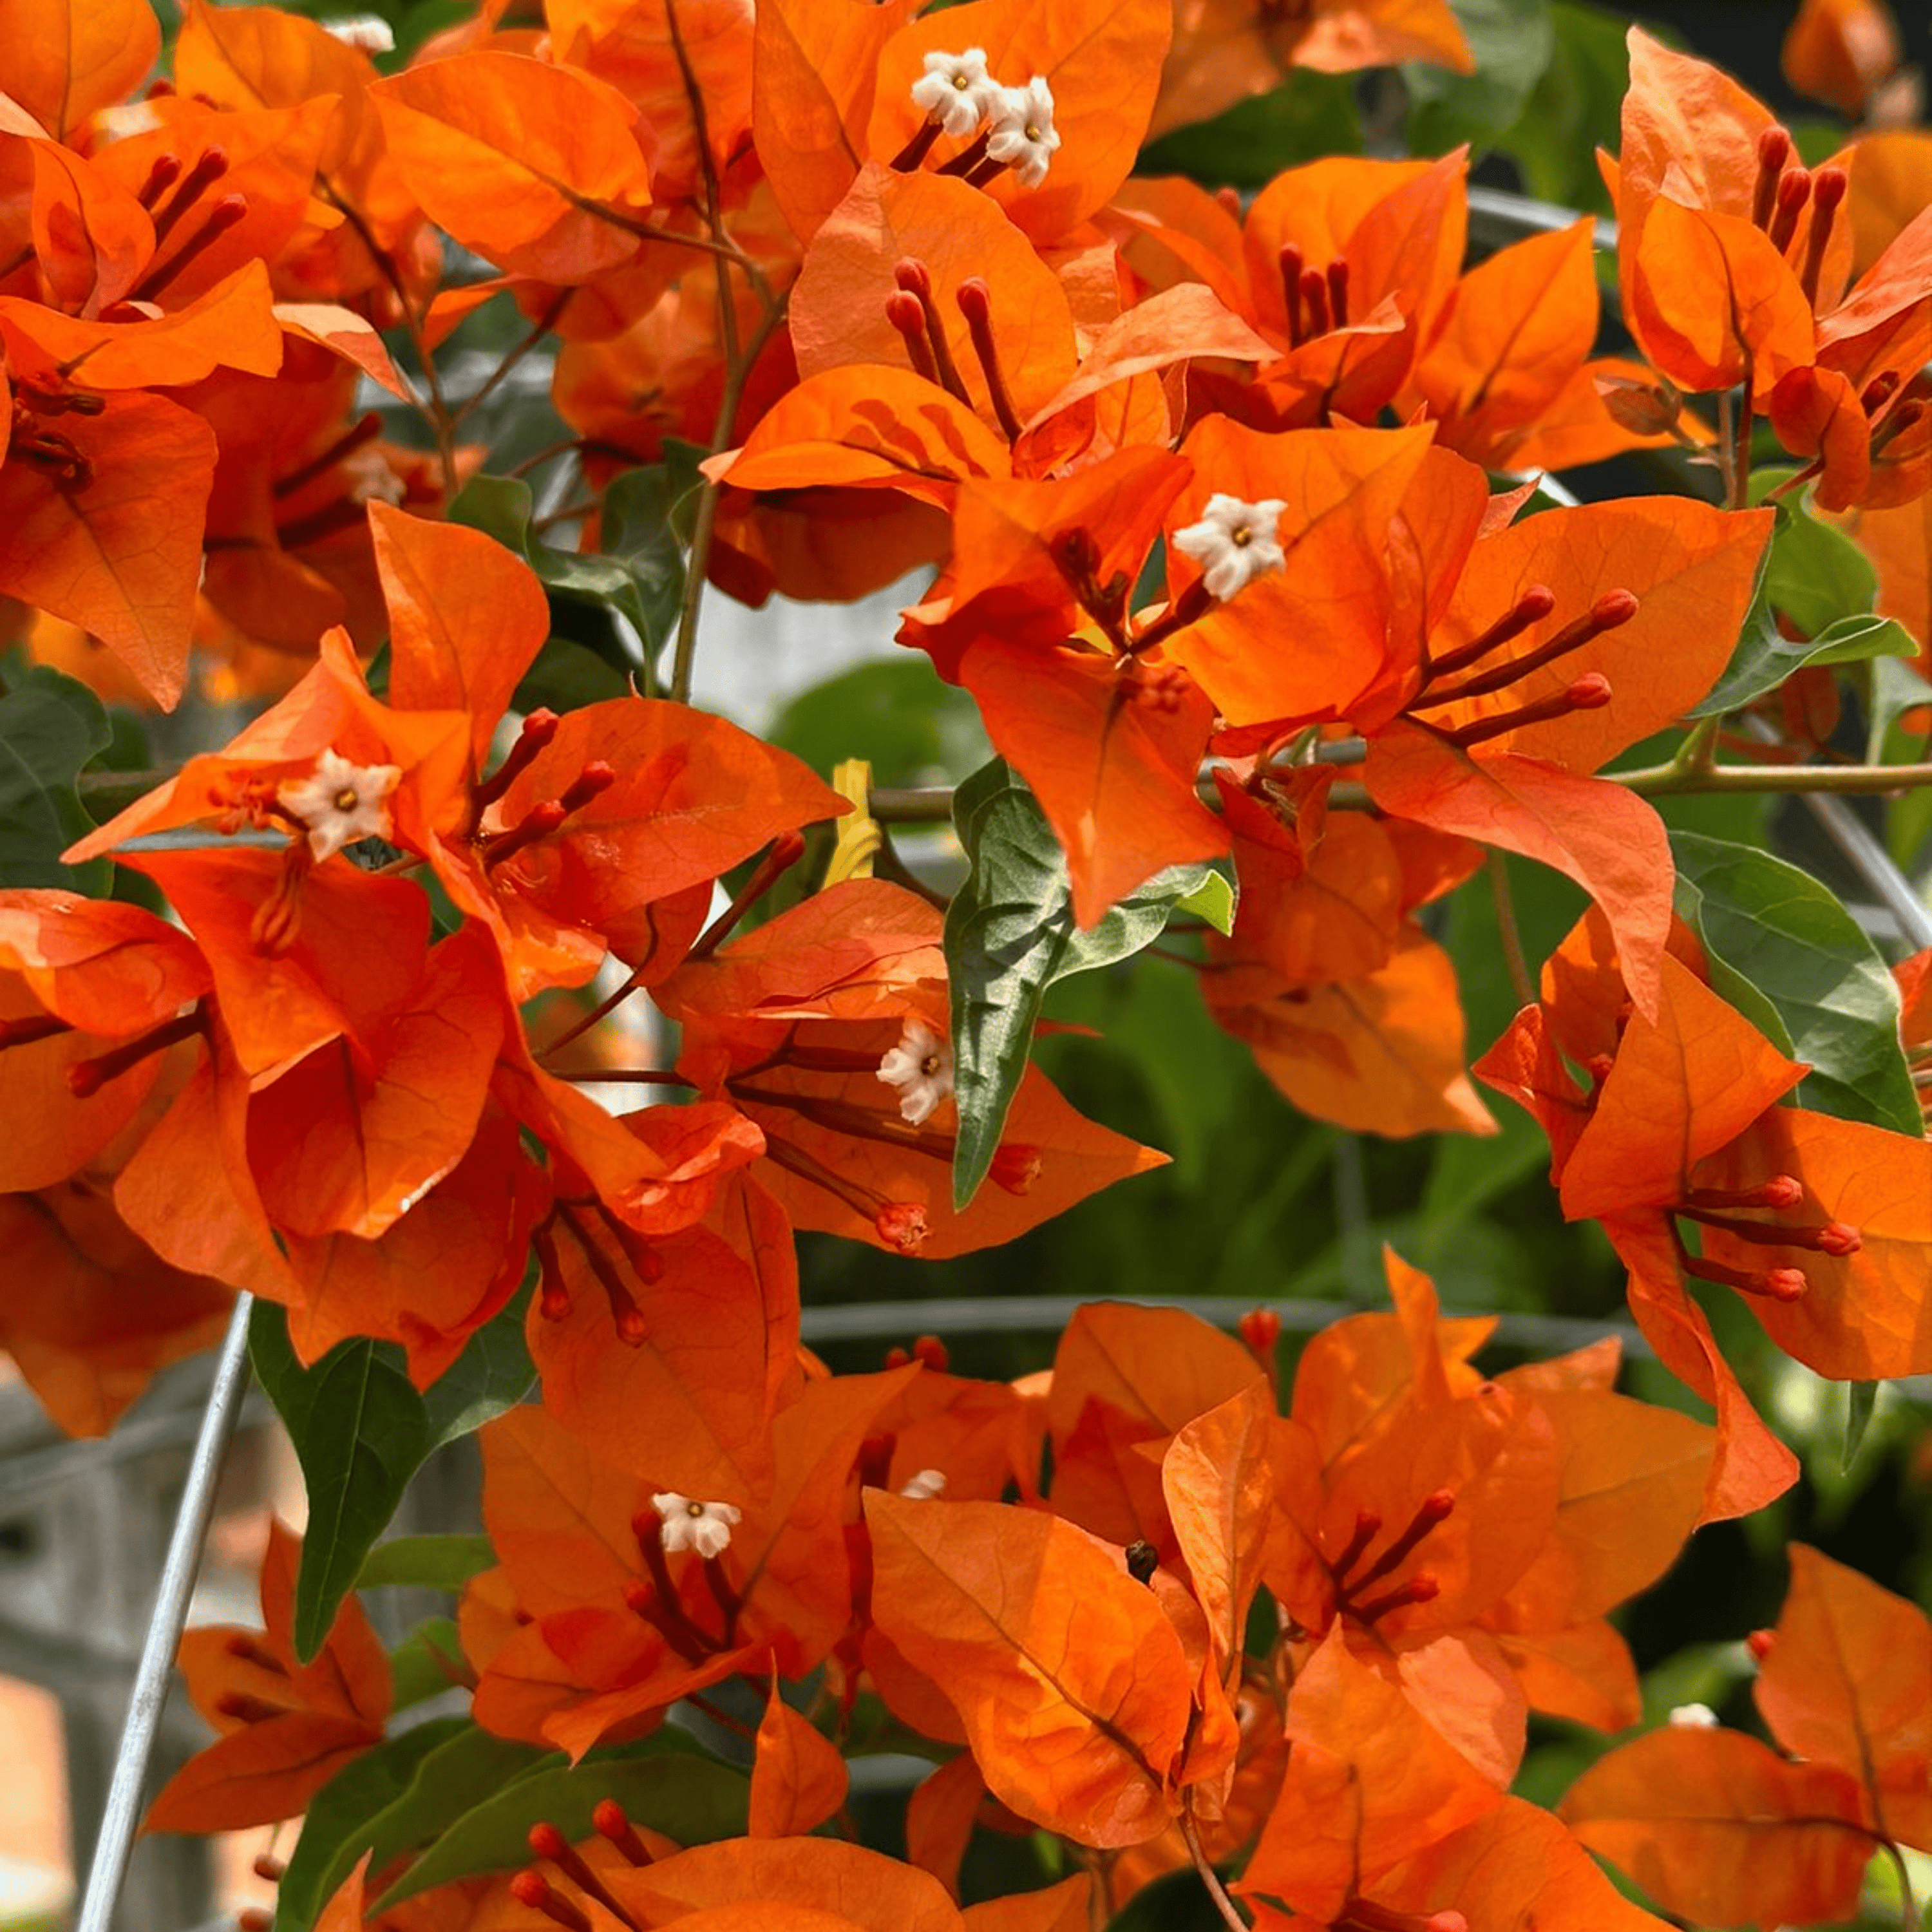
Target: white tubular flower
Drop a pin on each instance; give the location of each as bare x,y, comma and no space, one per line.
924,1485
1693,1717
339,802
1021,134
1233,543
369,33
956,91
689,1524
921,1067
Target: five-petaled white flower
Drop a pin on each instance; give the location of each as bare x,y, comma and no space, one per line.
1022,134
689,1524
956,91
924,1485
921,1067
1234,542
339,802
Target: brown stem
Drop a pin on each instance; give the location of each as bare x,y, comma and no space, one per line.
1209,1877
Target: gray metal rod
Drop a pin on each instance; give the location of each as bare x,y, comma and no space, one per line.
121,1815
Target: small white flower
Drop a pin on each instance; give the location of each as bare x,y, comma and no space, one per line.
339,802
1693,1717
689,1524
1021,134
921,1067
924,1486
956,91
1233,543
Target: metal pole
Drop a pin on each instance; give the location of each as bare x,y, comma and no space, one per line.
121,1815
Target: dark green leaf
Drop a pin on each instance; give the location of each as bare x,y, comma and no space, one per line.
426,1562
1010,935
361,1430
1176,1902
494,1373
1861,1399
566,677
466,1768
337,1812
1816,574
1764,658
1513,42
687,1798
1792,960
1309,116
50,727
1573,109
427,1663
1895,689
641,575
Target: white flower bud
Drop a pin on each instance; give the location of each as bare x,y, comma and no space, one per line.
924,1485
1693,1717
1233,543
339,802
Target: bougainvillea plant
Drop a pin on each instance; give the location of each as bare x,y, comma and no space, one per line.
1360,613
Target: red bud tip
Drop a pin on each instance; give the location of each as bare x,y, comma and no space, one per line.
902,1224
546,1840
933,1352
1781,1190
254,1918
1785,1284
975,299
633,1330
1829,187
1533,605
1613,608
911,274
1424,1587
1590,692
904,312
554,1304
1759,1643
540,725
1773,148
897,1357
225,214
528,1888
1260,1328
1878,391
638,1597
610,1823
266,1866
1839,1238
1445,1921
1437,1507
1600,1066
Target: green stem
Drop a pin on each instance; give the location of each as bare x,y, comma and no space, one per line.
1498,868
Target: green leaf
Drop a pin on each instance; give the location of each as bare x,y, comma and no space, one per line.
1513,42
1792,960
686,1797
1861,1399
1009,935
427,1663
639,574
1308,116
361,1430
425,1562
1764,658
1896,688
465,1769
566,677
1212,901
900,716
50,727
1572,110
337,1812
1816,574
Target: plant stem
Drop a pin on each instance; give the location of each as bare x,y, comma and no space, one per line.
1497,865
1209,1877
